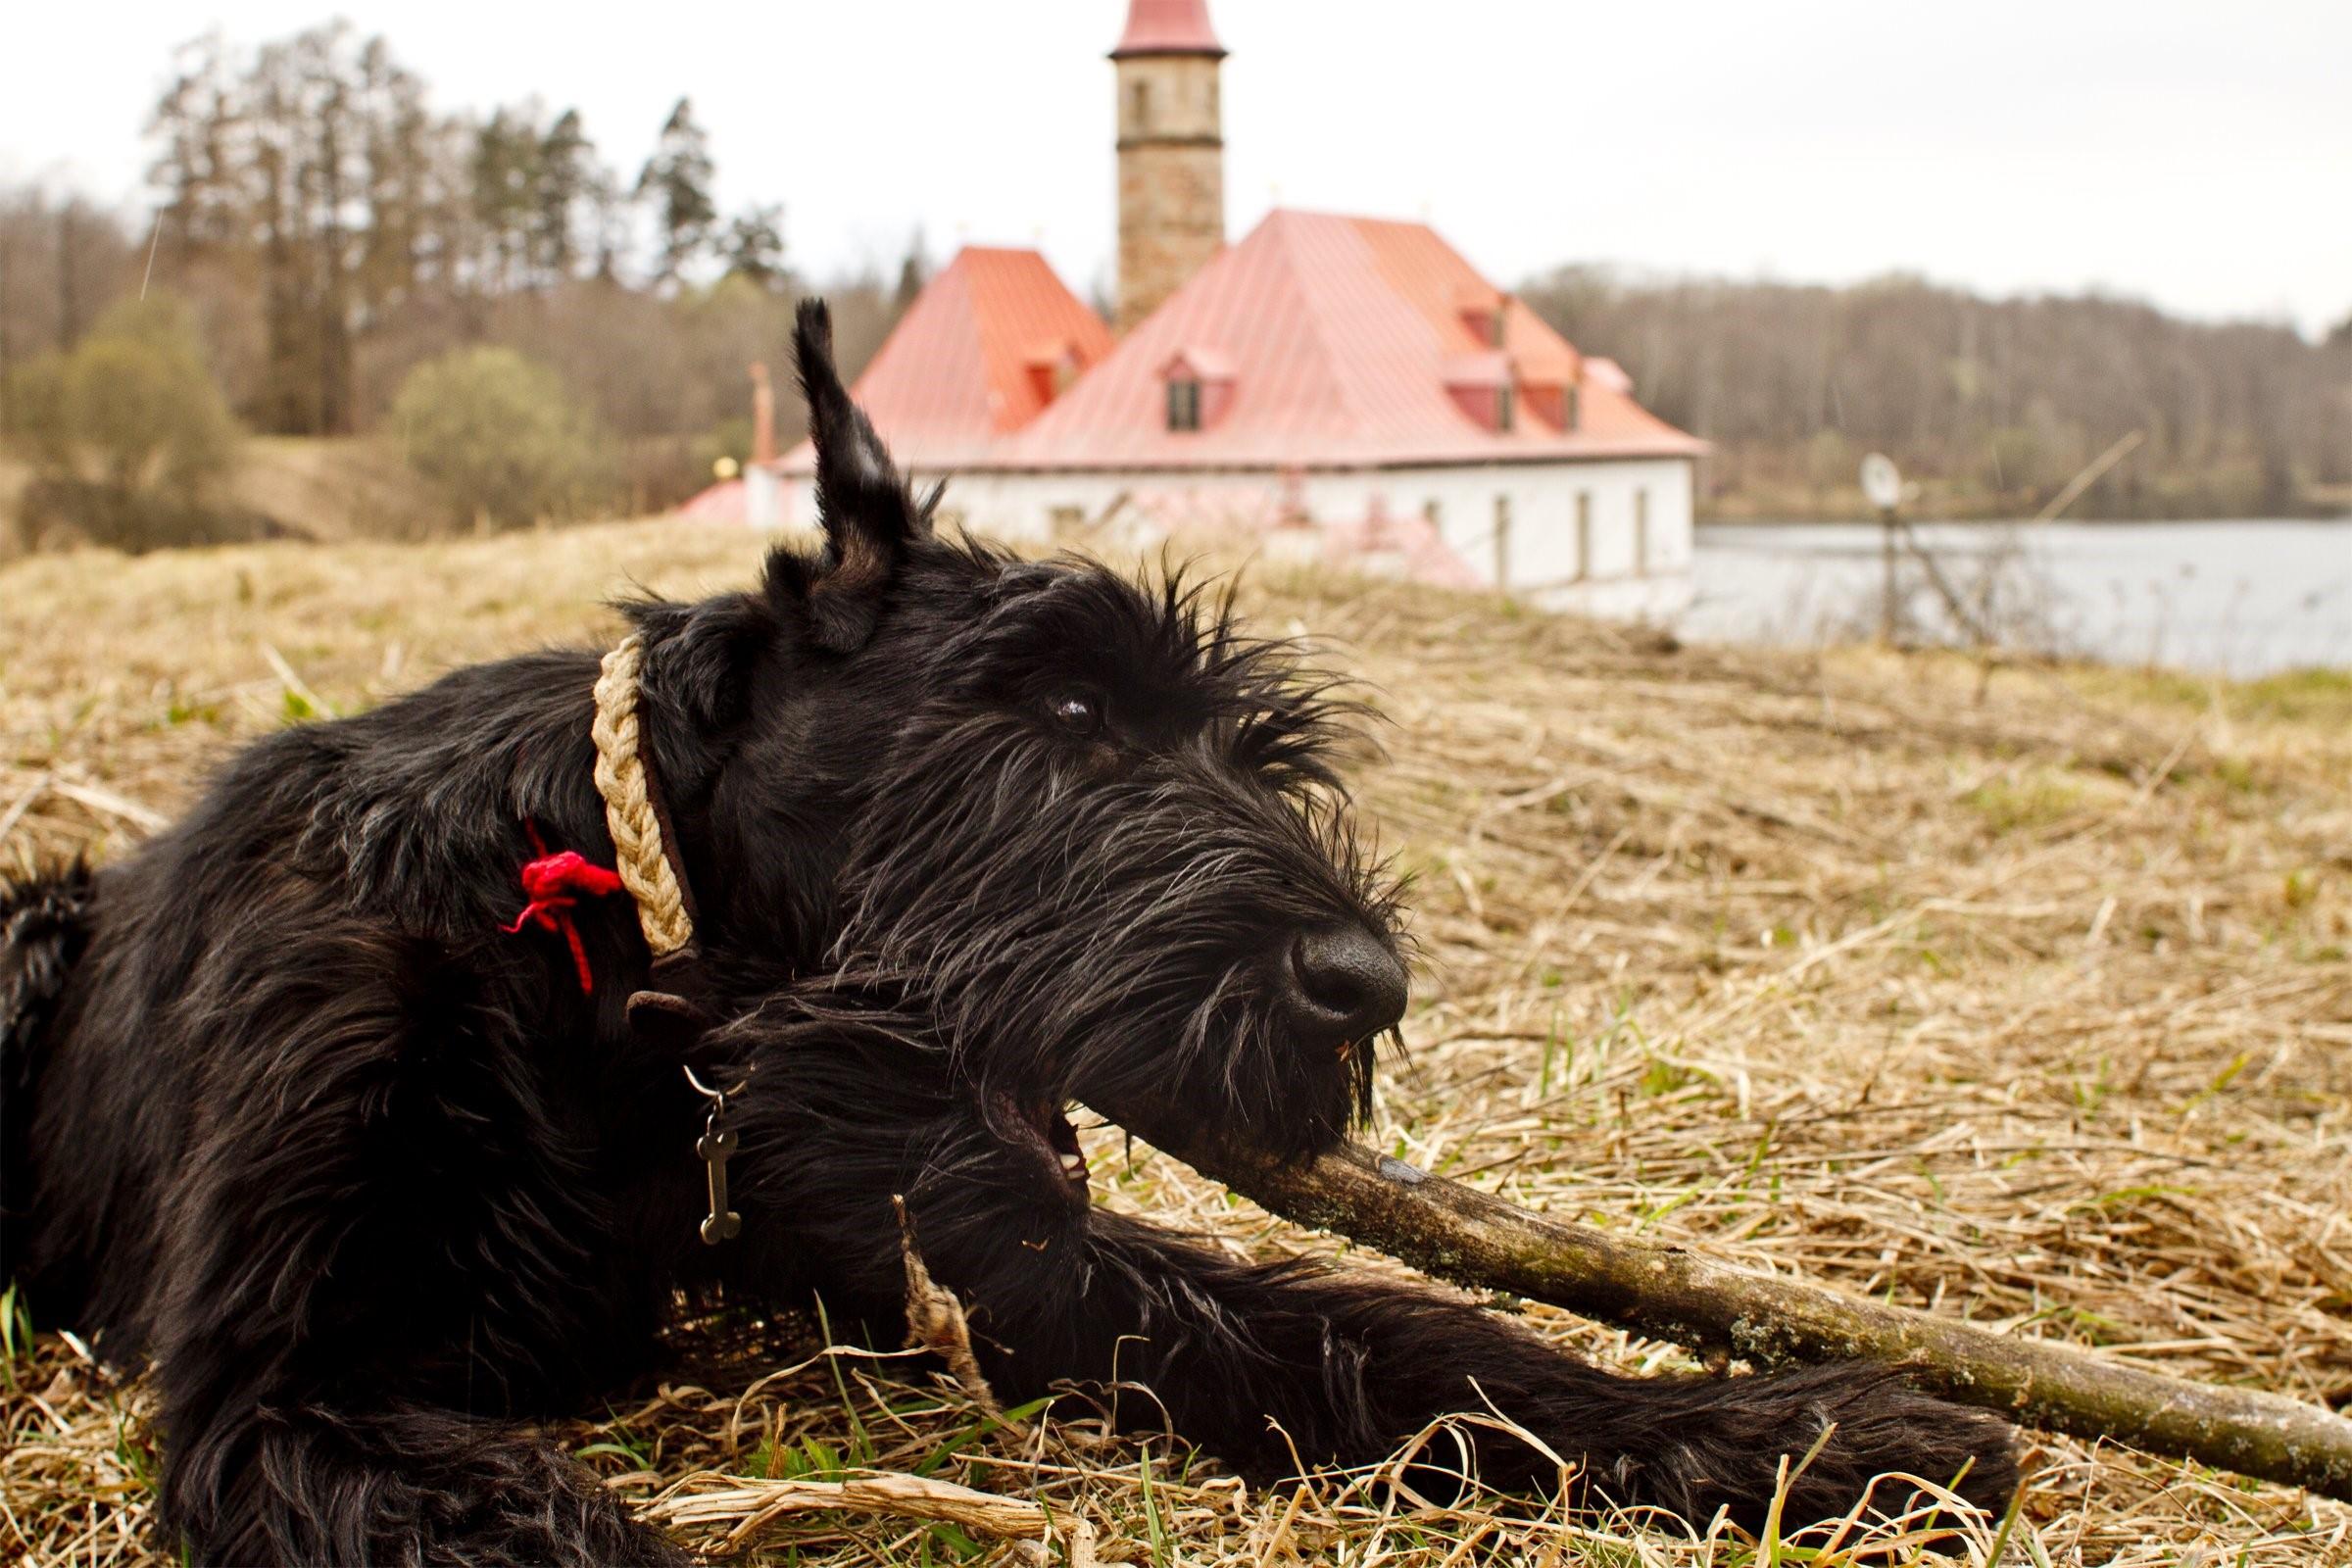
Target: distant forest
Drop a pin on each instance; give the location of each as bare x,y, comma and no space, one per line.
326,239
1994,405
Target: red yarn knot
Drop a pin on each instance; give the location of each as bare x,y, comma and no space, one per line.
554,884
558,880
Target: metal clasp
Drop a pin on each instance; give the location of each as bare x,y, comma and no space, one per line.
714,1147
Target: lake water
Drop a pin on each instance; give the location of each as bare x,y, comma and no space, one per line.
2235,598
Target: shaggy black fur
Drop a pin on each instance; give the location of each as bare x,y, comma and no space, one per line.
371,1182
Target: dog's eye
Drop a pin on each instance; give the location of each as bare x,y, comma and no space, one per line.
1079,712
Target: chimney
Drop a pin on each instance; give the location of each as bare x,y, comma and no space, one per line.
763,415
1171,151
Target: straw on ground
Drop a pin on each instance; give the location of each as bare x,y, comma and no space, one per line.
2033,1009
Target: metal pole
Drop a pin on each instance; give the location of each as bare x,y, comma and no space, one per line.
1886,584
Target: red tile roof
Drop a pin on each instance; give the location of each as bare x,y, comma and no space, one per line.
1478,368
1339,332
1608,373
973,358
1169,27
1209,364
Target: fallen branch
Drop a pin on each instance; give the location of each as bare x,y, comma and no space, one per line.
935,1322
1671,1293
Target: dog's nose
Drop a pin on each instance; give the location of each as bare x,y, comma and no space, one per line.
1344,985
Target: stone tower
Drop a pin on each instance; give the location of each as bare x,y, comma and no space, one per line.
1171,151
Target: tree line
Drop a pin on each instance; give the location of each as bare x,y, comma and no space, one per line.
325,237
338,229
1993,404
326,233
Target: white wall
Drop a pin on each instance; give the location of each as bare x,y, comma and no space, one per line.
1540,551
1540,559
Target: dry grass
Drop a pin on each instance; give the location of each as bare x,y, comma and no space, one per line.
2028,1003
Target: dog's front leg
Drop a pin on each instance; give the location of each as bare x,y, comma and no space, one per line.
1272,1365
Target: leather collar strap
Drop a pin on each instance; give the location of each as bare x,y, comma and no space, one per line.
644,847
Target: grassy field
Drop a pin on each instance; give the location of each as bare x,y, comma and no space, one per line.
2023,995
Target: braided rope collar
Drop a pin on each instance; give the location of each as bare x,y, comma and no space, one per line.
645,857
643,851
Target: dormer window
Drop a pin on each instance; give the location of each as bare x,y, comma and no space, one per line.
1484,315
1053,369
1184,405
1485,388
1200,386
1555,403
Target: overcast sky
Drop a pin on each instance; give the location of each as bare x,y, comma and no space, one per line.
2199,156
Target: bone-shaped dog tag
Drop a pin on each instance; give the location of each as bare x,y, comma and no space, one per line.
715,1146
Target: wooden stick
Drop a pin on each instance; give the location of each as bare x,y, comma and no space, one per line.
1671,1292
745,1508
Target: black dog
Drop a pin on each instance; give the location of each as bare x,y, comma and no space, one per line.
368,1179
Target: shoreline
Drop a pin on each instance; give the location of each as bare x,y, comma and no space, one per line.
1706,519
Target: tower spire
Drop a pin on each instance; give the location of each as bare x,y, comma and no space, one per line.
1169,27
1171,151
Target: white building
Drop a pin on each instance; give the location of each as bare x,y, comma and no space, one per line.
1348,387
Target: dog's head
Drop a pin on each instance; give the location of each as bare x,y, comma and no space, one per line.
1084,822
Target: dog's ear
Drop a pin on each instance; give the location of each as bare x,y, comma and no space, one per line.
868,514
700,665
703,653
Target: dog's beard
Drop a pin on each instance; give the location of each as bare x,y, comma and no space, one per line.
1110,944
1221,1068
1229,1071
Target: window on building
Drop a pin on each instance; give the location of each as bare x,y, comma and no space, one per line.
1641,532
1503,542
1184,405
1584,534
1139,107
1507,407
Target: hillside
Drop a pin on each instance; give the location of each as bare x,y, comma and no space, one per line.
2021,995
324,488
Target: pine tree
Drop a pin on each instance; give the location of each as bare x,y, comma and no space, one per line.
398,173
677,179
299,174
755,246
205,159
568,178
913,273
506,182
